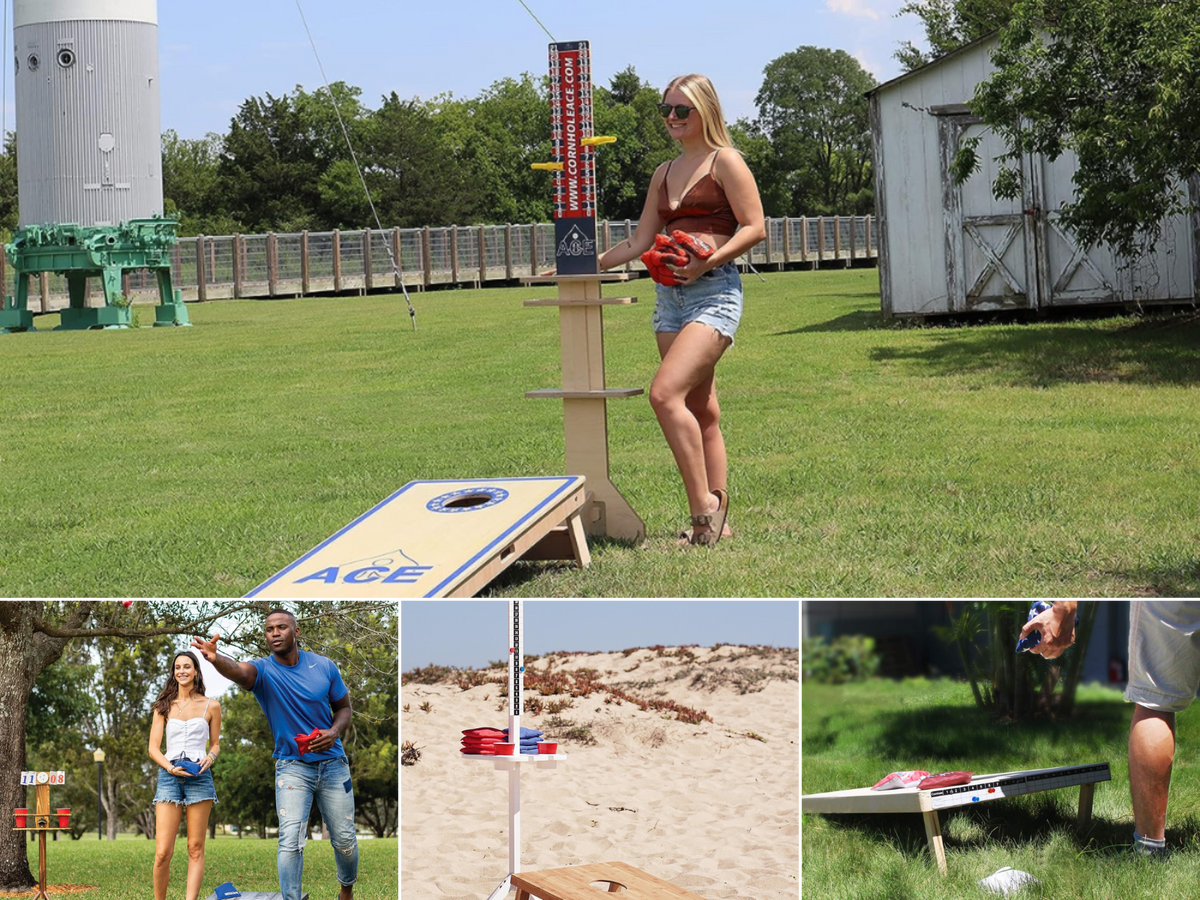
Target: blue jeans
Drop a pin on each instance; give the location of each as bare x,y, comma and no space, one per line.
297,784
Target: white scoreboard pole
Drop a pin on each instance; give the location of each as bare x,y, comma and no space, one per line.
516,684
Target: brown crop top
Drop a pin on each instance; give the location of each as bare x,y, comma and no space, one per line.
704,209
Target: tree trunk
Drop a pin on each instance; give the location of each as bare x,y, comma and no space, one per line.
23,655
110,803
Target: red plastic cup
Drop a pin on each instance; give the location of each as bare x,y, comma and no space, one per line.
547,748
505,749
21,814
64,817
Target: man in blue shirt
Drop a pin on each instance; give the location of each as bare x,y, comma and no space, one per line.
299,691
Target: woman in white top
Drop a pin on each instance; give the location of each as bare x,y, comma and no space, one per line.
192,723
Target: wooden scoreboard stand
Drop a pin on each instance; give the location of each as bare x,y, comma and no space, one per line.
43,819
584,393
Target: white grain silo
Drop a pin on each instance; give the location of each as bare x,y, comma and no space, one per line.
87,123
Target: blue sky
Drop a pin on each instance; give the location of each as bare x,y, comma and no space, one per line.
471,633
215,54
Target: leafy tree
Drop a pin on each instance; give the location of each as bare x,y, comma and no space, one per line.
417,173
627,109
1116,83
813,110
499,135
8,185
193,191
1015,685
949,24
277,151
245,771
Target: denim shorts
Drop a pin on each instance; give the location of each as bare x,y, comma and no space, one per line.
713,299
183,791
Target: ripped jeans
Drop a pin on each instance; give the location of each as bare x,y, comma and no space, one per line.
297,784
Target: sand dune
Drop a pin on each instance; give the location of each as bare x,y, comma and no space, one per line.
704,805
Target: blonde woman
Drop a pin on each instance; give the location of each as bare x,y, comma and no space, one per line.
192,724
708,193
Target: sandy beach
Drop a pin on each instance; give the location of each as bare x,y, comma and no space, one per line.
710,806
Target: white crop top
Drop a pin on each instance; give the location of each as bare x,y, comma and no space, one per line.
187,738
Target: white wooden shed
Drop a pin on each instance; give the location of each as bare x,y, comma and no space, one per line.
948,249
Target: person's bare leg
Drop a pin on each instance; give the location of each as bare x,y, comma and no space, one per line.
1151,752
166,827
688,360
702,401
197,831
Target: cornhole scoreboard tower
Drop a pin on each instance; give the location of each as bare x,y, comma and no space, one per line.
42,818
581,326
512,765
89,159
982,789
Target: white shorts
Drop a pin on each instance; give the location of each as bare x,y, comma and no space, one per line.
1164,653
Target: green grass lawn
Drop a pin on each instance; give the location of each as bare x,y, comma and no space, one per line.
866,458
120,870
854,735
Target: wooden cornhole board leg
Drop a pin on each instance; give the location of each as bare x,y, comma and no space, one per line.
933,831
442,539
1086,793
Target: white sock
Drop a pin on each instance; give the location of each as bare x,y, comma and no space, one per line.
1147,845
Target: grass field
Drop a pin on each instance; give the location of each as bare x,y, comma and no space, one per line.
867,458
120,870
854,735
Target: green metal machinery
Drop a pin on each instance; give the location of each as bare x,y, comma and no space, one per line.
104,252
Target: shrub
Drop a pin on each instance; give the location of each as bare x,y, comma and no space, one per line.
850,657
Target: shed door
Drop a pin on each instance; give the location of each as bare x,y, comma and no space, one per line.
990,250
1068,273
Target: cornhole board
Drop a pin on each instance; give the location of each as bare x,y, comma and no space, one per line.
441,539
259,895
981,789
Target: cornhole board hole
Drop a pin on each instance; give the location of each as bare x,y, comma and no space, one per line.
259,895
981,789
441,539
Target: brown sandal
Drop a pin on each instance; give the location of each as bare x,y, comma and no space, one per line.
714,520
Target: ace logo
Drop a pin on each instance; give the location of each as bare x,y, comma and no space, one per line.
381,569
367,575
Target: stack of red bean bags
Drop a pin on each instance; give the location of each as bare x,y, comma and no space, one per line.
482,741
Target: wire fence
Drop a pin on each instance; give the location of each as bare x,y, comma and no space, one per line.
288,265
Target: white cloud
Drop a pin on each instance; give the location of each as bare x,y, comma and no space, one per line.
856,8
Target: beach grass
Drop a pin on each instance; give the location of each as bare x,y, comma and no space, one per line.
853,735
867,457
121,869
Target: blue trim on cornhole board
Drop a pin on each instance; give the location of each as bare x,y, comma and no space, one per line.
568,482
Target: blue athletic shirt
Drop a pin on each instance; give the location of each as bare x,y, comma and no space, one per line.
296,699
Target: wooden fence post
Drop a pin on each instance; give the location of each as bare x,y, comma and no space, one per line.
454,254
508,262
368,279
272,264
304,277
337,261
238,274
201,267
427,252
820,239
482,254
398,275
533,256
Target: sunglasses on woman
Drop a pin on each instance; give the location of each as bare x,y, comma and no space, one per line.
681,111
